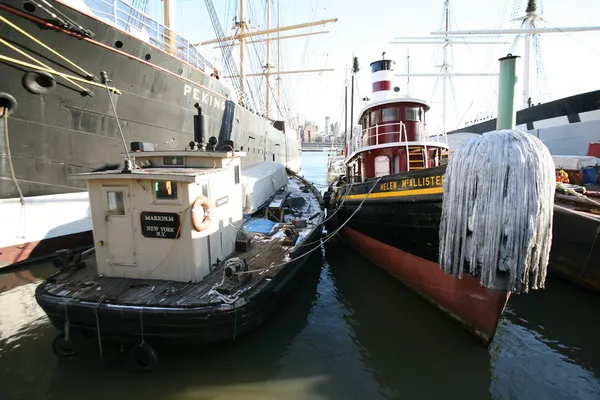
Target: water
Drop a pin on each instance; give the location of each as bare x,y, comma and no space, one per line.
350,332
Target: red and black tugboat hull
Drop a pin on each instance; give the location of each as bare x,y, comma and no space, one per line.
396,226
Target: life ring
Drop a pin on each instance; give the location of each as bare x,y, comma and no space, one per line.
201,213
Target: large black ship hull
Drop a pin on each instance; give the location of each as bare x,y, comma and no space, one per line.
394,222
58,130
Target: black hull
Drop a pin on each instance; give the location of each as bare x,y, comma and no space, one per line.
409,223
63,132
575,253
397,228
176,325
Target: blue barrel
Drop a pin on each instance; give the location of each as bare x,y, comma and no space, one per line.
589,176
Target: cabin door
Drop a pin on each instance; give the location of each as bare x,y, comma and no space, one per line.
119,226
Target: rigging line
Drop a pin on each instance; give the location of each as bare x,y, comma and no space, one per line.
106,80
86,32
75,78
574,38
322,241
86,91
9,156
6,21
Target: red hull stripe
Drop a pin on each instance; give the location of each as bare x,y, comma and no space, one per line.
382,85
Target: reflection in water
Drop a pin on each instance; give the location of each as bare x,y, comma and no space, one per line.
404,342
350,331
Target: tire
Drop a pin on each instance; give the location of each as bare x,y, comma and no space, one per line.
66,348
143,357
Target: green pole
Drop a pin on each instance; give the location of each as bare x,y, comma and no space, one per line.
506,93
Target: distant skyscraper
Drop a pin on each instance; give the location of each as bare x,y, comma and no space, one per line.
327,125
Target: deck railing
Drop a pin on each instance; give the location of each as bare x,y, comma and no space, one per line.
122,15
367,134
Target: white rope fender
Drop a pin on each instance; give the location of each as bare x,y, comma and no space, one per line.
497,210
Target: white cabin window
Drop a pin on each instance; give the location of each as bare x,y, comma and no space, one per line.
382,166
116,204
165,190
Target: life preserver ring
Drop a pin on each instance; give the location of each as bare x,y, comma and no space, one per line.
201,213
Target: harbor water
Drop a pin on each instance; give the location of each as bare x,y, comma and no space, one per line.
349,332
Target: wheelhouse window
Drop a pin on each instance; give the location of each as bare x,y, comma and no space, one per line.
165,190
390,114
375,117
412,113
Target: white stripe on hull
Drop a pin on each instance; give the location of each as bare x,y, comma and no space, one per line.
52,216
43,217
569,140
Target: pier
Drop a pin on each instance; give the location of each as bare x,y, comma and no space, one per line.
313,146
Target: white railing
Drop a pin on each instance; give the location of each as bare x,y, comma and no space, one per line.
397,136
122,15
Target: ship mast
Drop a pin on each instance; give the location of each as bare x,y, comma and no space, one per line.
267,66
445,68
529,29
242,39
241,36
169,20
278,61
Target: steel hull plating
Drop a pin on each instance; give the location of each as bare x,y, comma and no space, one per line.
575,251
397,228
61,132
566,126
473,306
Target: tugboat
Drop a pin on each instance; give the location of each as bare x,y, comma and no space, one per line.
187,249
447,229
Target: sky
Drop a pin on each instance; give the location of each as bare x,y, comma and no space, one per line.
365,29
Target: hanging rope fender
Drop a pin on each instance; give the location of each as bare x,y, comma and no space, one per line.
497,210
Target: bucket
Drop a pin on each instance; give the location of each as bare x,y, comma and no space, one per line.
589,176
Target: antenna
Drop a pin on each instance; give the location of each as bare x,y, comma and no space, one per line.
407,73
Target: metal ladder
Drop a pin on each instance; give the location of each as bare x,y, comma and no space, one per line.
415,157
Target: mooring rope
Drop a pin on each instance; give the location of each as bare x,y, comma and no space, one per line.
323,240
51,71
4,42
9,156
6,21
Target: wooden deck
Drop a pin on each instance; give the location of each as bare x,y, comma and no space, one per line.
264,252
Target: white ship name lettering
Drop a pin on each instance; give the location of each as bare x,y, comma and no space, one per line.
207,98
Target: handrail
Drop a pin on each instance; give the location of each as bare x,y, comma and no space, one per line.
122,15
364,140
